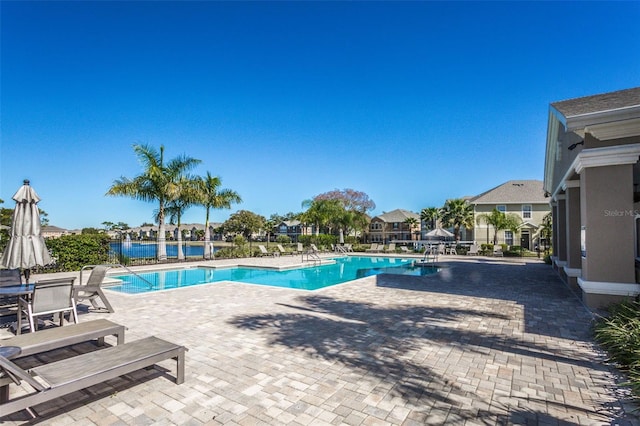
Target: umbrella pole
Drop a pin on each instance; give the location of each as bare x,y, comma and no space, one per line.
27,274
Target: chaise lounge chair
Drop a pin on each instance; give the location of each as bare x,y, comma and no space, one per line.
59,337
92,289
283,251
473,250
80,372
373,248
265,252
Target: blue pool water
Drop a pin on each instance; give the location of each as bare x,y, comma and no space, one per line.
309,278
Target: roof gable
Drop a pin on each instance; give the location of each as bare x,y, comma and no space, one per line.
397,215
599,103
513,191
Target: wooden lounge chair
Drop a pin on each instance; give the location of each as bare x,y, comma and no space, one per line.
92,289
80,372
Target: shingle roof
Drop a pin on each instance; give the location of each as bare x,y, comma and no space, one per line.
598,103
397,215
513,191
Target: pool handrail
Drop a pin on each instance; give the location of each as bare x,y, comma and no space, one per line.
117,265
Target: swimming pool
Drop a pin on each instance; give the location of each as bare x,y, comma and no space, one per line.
307,278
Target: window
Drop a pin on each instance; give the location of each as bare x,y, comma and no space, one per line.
396,225
501,208
508,238
526,211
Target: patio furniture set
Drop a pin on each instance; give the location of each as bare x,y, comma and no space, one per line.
54,380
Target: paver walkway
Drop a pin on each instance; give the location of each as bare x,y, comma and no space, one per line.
484,342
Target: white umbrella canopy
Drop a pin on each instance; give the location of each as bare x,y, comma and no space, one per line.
26,248
439,233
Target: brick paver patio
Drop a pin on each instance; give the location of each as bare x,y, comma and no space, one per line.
486,341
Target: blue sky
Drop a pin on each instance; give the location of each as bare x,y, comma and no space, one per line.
410,102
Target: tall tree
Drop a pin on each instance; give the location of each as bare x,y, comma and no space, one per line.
348,209
156,183
245,223
211,196
430,215
350,198
187,196
457,213
411,222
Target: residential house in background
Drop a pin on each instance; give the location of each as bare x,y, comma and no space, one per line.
393,226
53,231
593,176
525,198
293,229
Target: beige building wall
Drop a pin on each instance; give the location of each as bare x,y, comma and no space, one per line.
592,175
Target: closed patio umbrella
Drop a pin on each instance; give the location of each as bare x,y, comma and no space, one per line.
26,248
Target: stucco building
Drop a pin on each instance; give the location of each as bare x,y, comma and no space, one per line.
393,226
592,175
524,198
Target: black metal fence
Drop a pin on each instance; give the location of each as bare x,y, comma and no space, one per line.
146,252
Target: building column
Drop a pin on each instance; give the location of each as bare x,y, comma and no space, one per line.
573,268
554,232
561,249
606,205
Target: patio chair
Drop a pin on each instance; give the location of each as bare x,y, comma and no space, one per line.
9,277
497,251
452,249
92,289
405,250
314,248
348,247
61,378
391,248
49,297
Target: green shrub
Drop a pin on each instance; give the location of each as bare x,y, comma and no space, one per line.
72,252
619,335
283,239
321,240
547,259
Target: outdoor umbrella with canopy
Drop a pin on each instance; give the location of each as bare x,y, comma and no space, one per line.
439,233
26,248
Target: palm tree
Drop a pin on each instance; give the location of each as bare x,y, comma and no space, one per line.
499,221
187,196
411,222
210,196
457,213
157,183
430,214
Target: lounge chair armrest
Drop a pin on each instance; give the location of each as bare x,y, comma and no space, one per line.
17,373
